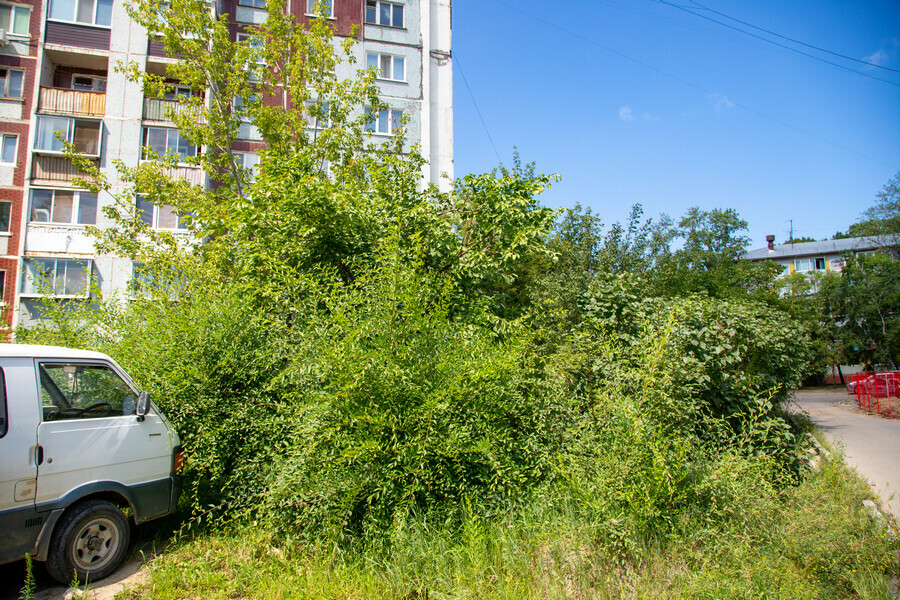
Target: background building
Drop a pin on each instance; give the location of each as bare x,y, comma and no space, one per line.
57,73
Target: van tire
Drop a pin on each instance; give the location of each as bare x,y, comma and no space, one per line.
88,543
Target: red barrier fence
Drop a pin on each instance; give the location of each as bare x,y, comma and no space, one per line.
877,392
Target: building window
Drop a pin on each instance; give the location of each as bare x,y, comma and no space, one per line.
248,160
384,13
387,121
5,214
88,83
809,264
159,217
69,207
88,12
8,145
387,66
162,140
15,18
11,83
257,65
61,277
83,133
325,8
253,3
177,92
317,115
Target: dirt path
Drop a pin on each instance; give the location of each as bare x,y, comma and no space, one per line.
871,443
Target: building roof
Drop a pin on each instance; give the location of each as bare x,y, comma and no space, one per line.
857,244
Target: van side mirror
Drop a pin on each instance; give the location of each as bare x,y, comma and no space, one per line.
143,405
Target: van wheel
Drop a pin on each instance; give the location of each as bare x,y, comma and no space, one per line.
89,542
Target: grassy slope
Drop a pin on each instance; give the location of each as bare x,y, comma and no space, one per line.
814,541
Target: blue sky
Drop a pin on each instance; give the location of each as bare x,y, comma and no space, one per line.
637,101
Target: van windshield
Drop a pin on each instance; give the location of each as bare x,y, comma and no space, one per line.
80,391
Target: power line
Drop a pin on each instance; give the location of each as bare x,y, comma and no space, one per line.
786,47
709,93
477,110
790,39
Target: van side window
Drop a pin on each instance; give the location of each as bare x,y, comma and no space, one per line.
79,391
4,422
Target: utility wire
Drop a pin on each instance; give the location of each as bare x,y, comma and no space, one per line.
477,110
790,39
709,93
785,46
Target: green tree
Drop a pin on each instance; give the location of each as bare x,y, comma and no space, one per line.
710,259
864,305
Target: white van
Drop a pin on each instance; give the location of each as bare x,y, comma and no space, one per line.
82,452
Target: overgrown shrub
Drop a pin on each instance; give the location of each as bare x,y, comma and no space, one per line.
401,408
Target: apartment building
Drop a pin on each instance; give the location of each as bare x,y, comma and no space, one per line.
57,73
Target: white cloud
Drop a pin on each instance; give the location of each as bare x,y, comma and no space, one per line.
721,102
878,58
626,114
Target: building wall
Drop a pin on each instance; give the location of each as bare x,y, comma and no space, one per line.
19,53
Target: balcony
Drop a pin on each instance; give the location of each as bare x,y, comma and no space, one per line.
161,110
54,170
193,175
71,102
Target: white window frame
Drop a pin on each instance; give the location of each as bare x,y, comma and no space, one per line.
376,59
4,84
72,122
5,139
256,43
76,217
13,9
151,214
376,20
314,122
177,92
252,164
809,264
169,132
5,214
74,17
259,4
31,289
387,122
97,83
311,8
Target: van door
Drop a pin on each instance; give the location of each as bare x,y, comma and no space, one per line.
89,434
19,418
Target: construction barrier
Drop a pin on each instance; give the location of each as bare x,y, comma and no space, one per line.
877,392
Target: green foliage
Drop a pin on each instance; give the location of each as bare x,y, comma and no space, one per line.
861,304
28,587
757,543
402,409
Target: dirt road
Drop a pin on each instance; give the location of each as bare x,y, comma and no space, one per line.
871,443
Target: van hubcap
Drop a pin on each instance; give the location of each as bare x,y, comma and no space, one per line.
95,544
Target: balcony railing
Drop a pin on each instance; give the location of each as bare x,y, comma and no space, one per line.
72,102
54,170
161,110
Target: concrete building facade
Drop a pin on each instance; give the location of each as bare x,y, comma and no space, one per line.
58,73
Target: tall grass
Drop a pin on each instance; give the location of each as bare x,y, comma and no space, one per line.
814,541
